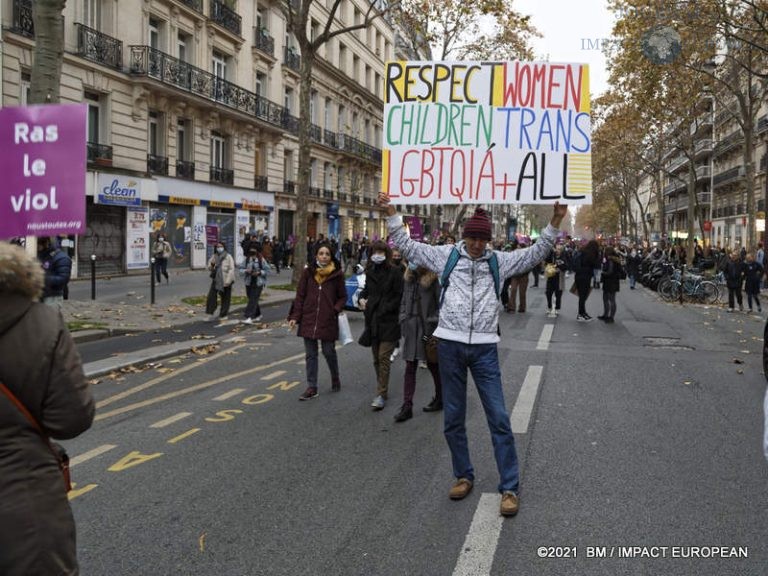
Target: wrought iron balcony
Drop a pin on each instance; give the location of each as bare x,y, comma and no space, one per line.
732,140
763,163
343,197
316,192
194,4
360,149
222,175
261,184
289,187
674,186
328,194
329,138
224,16
290,123
23,23
157,164
355,199
98,47
315,133
291,59
185,169
263,41
146,61
728,176
99,154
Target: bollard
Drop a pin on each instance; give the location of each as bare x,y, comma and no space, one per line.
93,276
682,282
152,281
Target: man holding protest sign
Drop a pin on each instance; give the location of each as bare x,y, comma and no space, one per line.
469,331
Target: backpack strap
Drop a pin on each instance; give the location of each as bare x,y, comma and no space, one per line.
453,259
493,264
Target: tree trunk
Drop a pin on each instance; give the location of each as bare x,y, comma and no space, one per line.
691,210
49,51
749,182
305,154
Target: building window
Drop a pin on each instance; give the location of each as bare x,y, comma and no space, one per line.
261,84
342,58
94,116
314,30
261,19
183,132
288,165
219,65
340,176
92,13
313,107
367,131
155,133
313,172
368,78
25,88
327,174
342,118
219,155
288,100
327,114
355,68
183,43
154,33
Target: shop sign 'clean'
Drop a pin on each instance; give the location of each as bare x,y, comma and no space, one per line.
117,190
43,163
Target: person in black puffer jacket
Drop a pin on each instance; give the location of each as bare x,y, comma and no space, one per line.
611,274
380,300
585,261
734,278
58,268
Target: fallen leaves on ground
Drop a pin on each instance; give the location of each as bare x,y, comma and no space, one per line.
204,350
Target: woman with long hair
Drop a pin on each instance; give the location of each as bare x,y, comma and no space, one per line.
320,298
418,320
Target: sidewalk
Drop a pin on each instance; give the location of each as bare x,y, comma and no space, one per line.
123,306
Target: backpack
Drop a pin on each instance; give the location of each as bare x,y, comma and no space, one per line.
453,258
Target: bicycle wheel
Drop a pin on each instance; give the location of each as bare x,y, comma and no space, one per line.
663,288
673,292
710,293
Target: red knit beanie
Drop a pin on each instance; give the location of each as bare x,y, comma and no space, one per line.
478,226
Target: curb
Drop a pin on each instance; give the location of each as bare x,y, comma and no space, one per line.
101,367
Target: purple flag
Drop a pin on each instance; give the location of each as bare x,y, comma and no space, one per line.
42,162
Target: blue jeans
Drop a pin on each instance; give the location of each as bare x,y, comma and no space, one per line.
483,361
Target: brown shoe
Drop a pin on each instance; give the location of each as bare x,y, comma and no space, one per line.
509,503
460,489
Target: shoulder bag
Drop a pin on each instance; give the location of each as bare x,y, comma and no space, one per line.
62,459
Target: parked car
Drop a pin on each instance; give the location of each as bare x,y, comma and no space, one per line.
354,285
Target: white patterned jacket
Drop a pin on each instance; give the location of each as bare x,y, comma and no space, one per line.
470,310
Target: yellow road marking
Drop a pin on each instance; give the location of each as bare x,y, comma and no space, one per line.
195,388
170,420
181,437
164,377
283,385
273,375
228,395
72,494
258,399
224,416
84,457
132,459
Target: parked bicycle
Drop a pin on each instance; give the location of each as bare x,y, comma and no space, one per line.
692,286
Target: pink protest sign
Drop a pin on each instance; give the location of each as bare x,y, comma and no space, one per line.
42,160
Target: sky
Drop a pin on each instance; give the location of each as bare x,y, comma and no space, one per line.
572,32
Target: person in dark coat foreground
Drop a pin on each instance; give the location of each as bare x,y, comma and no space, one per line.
40,366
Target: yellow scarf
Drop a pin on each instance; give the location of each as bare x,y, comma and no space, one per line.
321,274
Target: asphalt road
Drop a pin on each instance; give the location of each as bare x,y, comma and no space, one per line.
638,438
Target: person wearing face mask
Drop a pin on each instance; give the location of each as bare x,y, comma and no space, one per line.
397,260
418,320
380,301
320,298
222,269
162,251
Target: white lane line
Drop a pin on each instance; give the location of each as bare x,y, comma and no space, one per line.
521,413
546,336
273,375
170,420
479,547
228,395
84,457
